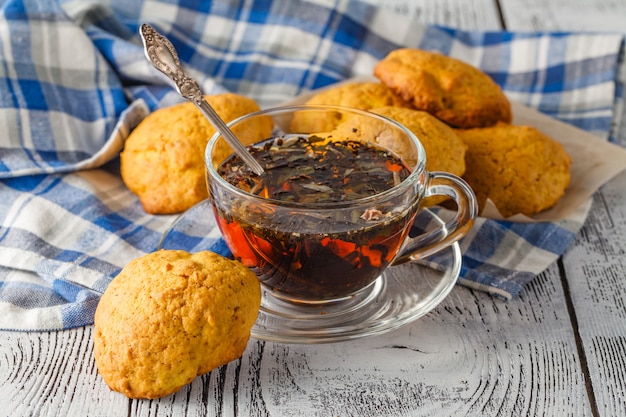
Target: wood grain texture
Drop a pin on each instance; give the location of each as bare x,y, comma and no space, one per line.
472,356
564,15
467,15
52,374
595,265
596,272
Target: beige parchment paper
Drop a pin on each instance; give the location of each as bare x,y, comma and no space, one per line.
595,161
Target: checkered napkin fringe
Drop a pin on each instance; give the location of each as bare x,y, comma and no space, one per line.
74,82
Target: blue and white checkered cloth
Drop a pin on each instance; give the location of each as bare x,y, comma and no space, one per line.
74,82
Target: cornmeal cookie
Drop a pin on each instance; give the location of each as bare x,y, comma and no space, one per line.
453,91
163,157
361,95
519,168
445,151
170,316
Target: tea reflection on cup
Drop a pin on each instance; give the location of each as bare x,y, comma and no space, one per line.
335,204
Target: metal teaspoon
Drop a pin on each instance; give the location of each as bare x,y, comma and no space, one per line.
161,53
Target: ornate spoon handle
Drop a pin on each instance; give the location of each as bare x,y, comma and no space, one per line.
161,53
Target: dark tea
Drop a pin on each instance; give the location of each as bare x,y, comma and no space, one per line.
316,254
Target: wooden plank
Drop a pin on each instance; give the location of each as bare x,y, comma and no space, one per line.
595,266
53,374
472,355
596,272
467,15
565,15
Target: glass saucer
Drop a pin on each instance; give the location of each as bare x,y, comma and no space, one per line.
399,296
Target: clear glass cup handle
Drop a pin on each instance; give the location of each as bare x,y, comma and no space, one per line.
424,245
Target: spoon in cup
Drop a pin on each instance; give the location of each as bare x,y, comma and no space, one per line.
161,53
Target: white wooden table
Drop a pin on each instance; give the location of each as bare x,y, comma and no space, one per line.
559,349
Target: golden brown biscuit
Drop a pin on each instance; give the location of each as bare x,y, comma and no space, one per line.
455,92
170,316
445,151
361,95
163,157
519,168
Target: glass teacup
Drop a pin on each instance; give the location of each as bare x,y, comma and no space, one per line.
335,205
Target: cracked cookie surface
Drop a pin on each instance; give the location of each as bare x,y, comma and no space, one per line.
519,168
163,157
362,95
451,90
170,316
